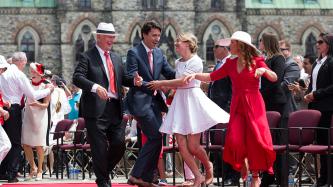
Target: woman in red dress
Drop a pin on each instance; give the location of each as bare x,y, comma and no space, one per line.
248,123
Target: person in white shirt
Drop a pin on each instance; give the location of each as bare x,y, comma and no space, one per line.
14,84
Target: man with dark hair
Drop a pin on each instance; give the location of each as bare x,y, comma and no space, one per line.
146,105
291,75
100,75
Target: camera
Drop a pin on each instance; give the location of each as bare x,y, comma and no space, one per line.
59,83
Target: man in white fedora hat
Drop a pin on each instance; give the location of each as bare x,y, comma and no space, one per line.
13,85
100,75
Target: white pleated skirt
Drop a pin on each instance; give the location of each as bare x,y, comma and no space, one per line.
192,112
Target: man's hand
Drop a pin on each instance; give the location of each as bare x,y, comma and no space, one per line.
294,87
102,92
259,72
137,79
309,97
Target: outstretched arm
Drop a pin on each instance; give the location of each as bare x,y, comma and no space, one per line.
173,83
205,77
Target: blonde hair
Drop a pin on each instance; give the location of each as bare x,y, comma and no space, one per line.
190,39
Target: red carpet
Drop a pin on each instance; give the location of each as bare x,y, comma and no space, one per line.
60,185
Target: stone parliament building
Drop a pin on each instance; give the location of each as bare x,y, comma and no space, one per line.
53,32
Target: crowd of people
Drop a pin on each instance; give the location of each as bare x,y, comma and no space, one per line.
245,83
30,111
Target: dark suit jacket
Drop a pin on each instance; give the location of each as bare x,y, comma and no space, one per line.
140,98
291,75
89,71
323,96
220,93
272,91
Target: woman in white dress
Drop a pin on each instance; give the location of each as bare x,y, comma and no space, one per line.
35,123
191,111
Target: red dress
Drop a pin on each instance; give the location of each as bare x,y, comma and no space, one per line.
248,133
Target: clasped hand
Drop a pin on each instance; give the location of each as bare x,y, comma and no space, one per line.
154,85
259,72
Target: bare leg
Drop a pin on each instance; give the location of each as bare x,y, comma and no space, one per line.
256,181
200,153
51,159
29,155
189,159
161,168
40,153
245,169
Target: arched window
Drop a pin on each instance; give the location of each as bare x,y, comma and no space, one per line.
137,38
28,42
79,46
91,42
28,46
136,35
215,30
83,38
210,49
167,44
308,40
310,45
268,29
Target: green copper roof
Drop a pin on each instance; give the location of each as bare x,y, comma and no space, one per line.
289,4
28,3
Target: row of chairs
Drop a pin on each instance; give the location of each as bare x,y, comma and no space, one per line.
301,133
68,152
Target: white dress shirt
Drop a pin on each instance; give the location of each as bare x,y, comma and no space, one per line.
94,88
315,72
14,84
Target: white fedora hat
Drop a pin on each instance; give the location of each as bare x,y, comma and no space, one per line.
105,29
243,37
3,62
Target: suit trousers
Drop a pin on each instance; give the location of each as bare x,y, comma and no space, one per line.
13,127
106,135
147,160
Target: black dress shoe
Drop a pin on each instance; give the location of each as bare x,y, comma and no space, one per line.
139,182
13,180
103,184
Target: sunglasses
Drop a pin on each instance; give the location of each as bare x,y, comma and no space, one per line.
320,42
217,46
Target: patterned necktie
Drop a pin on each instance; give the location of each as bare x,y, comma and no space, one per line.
109,64
150,60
